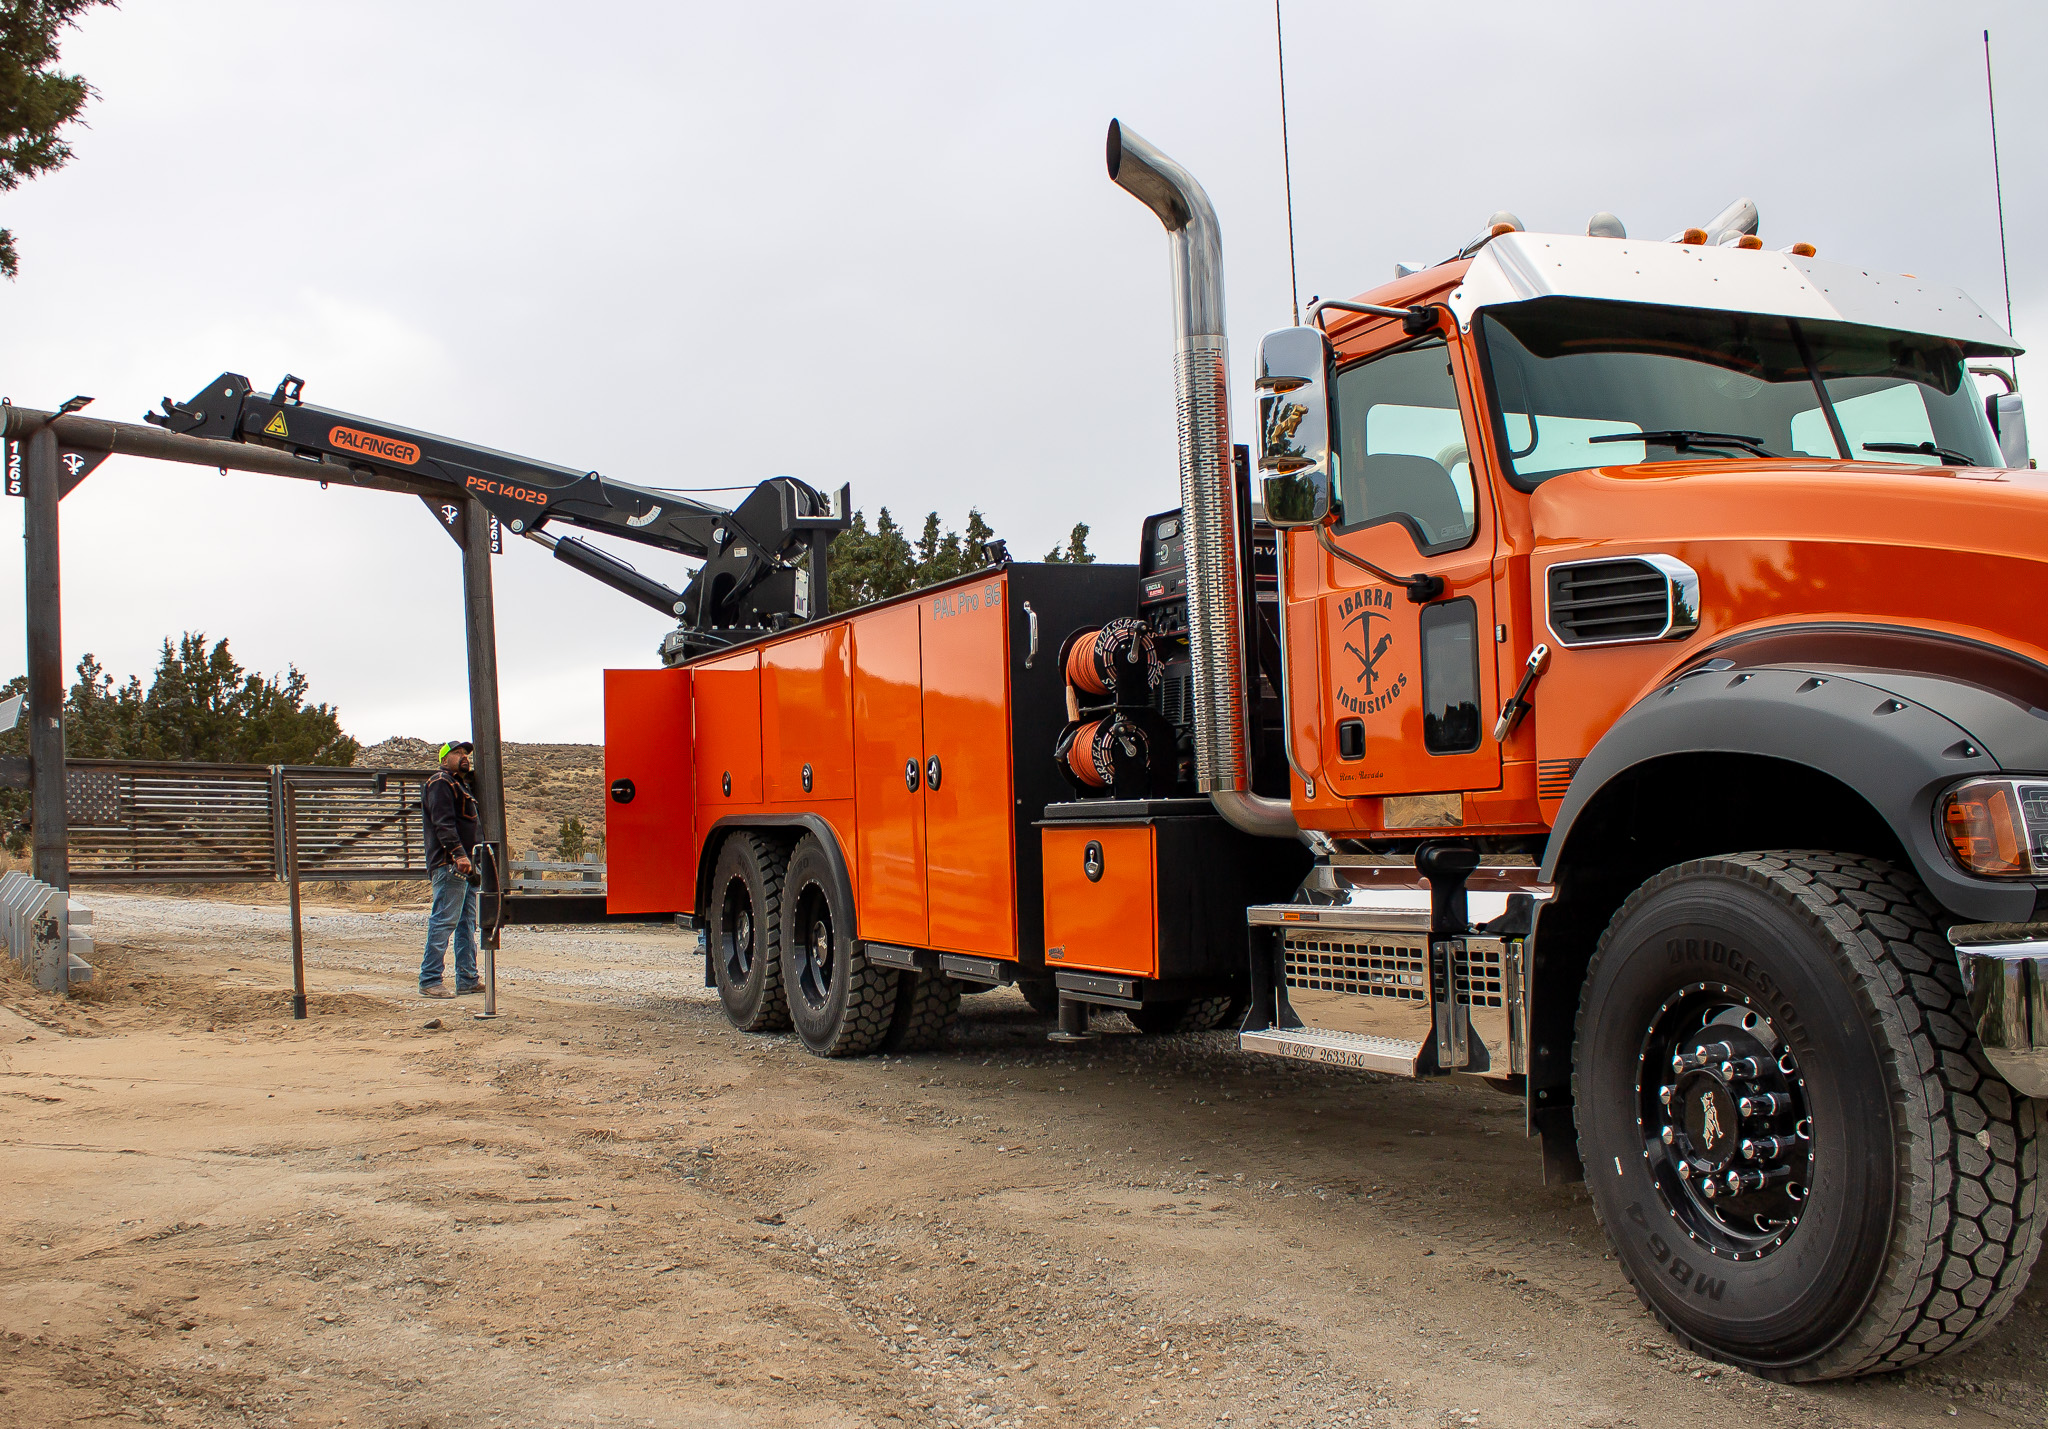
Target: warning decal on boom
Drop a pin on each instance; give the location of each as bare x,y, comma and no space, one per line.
275,426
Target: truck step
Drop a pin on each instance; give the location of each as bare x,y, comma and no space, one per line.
1392,1055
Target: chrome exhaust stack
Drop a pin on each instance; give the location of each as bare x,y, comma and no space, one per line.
1201,378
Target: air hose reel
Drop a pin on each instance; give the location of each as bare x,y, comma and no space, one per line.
1114,744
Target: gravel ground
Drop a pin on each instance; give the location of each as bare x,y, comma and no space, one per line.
607,1207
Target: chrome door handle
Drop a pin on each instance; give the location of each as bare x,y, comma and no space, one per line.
910,775
1032,653
931,774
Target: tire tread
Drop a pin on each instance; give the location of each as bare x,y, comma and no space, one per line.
1968,1224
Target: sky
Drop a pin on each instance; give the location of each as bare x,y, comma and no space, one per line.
698,245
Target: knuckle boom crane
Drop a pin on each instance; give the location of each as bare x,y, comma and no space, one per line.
750,583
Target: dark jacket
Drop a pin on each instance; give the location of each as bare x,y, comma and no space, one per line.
450,813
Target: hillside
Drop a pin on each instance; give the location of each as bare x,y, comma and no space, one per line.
544,784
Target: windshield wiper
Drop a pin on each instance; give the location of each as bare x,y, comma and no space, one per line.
1681,440
1948,458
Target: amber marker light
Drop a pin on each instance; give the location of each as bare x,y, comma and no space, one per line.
1749,242
1985,822
1694,236
1802,250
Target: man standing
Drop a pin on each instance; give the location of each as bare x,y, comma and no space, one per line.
450,811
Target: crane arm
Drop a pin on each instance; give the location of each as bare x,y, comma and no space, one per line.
749,552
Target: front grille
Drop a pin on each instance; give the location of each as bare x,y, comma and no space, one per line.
1478,975
1595,602
1391,970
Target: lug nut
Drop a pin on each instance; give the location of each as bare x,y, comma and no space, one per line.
1715,1052
1685,1170
1669,1134
1762,1104
1707,1188
1678,1063
1664,1094
1768,1148
1742,1067
1741,1181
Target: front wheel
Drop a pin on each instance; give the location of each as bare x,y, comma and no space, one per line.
1803,1162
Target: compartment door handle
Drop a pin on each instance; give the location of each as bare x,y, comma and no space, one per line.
910,775
1032,653
931,774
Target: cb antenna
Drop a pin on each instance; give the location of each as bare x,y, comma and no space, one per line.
1287,169
1997,187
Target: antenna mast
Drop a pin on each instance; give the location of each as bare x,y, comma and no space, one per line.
1997,187
1287,170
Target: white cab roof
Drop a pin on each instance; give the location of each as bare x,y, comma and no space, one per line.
1517,267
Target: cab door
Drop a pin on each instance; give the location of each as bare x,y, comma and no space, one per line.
1411,685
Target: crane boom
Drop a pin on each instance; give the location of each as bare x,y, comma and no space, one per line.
750,581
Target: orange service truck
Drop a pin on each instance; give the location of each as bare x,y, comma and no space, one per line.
1626,688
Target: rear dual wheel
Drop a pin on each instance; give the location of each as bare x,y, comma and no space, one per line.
841,1004
1801,1158
745,932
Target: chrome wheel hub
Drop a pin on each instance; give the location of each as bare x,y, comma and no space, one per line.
1727,1135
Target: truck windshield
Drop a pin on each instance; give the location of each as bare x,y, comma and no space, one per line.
1579,383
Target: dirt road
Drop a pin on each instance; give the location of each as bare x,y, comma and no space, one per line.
609,1208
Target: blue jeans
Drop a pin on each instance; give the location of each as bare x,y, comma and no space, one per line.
454,912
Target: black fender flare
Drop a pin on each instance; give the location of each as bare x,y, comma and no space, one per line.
1896,737
808,823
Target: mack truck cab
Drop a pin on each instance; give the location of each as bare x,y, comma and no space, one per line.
1676,610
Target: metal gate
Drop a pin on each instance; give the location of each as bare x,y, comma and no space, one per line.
145,821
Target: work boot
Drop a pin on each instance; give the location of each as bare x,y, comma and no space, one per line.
435,989
468,989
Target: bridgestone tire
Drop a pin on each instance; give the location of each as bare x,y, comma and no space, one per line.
744,930
927,1003
1923,1204
840,1004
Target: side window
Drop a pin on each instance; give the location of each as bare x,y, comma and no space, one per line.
1450,677
1401,447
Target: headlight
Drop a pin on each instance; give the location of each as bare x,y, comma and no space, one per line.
1997,828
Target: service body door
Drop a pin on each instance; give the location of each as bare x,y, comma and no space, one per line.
650,824
970,809
1411,688
888,777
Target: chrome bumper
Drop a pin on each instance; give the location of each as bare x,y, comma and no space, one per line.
2005,973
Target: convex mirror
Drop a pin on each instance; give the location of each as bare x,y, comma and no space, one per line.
1294,426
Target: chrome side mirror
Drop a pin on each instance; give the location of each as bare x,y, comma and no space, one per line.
1294,426
1296,498
2007,413
2009,421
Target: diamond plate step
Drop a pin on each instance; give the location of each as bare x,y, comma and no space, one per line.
1341,1049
